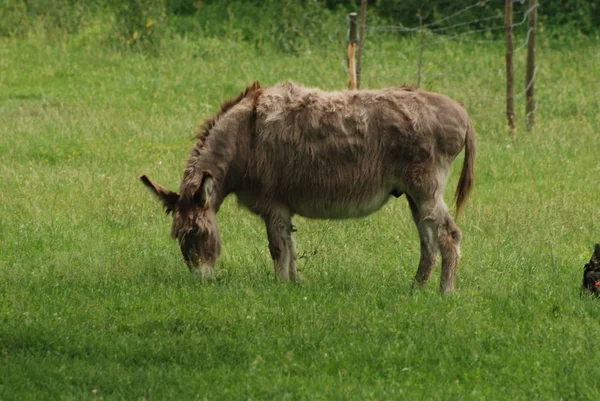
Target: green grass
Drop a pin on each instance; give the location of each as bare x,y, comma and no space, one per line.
96,303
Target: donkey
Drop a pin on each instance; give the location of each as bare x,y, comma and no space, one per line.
291,150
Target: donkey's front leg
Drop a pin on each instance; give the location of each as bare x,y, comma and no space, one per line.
293,266
281,244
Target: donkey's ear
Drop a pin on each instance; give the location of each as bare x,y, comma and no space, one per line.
204,194
168,198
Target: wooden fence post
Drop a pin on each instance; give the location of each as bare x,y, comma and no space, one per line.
530,73
510,72
352,52
361,40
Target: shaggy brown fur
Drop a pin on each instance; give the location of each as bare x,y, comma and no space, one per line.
288,150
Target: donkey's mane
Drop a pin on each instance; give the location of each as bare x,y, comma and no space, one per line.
210,122
195,169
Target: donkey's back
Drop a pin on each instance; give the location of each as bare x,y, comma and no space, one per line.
343,154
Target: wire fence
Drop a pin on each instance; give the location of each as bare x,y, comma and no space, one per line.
456,50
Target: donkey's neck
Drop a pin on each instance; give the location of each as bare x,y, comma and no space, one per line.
204,160
221,148
217,154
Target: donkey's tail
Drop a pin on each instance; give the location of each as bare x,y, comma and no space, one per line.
467,176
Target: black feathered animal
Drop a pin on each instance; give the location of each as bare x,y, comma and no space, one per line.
591,273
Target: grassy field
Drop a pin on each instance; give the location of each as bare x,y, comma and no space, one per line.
96,303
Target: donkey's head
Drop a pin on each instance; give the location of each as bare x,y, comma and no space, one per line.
194,222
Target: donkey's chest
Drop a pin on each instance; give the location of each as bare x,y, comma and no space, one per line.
342,207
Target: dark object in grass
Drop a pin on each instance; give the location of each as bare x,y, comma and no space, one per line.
591,273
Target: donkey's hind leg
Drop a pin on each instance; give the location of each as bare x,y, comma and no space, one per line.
281,244
437,229
429,244
449,237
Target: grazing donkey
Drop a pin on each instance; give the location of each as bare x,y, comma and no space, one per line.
290,150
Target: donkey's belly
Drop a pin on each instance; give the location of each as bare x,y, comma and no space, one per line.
322,209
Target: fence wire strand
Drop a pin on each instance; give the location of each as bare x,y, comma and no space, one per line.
442,36
401,28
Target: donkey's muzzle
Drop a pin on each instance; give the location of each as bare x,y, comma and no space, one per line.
192,254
